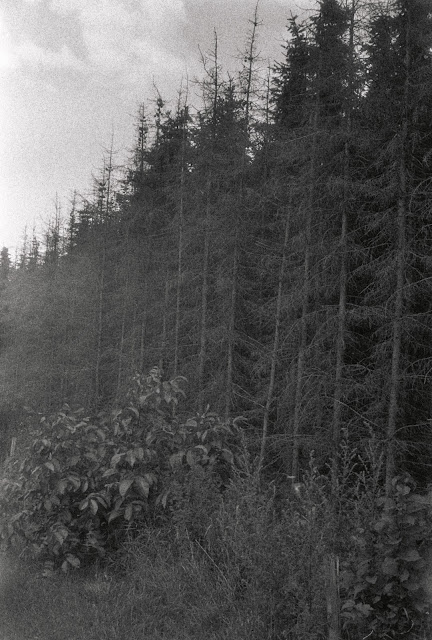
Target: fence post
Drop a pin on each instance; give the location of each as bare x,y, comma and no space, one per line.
332,595
12,448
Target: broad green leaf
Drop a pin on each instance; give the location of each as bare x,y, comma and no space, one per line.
62,485
143,486
151,478
412,555
403,489
75,481
130,457
118,503
49,465
125,485
48,570
128,512
412,585
227,455
389,587
202,447
109,472
116,459
176,459
364,609
66,516
390,567
113,515
190,458
56,463
73,560
409,519
143,398
93,506
165,499
58,535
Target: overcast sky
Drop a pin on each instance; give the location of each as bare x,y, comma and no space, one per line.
74,71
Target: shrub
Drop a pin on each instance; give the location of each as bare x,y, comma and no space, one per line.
382,577
85,482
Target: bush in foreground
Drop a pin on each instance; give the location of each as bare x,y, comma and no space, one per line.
87,482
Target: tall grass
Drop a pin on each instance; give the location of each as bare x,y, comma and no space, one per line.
248,566
249,576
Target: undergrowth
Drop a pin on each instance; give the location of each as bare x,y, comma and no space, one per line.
163,531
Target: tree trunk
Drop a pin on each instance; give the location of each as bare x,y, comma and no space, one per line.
400,281
274,354
343,244
231,329
99,327
164,336
250,58
396,333
143,322
204,297
301,357
122,336
179,255
301,362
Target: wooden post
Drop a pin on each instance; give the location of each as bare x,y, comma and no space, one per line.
332,595
12,448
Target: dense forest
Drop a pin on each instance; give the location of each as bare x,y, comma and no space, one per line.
216,370
272,246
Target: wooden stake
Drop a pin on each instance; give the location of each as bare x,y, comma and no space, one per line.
333,601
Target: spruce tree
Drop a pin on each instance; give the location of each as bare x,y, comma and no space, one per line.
397,109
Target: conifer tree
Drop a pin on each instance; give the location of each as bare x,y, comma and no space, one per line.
397,107
311,103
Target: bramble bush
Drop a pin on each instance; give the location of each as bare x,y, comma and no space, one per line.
85,483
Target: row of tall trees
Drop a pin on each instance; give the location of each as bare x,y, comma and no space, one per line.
273,247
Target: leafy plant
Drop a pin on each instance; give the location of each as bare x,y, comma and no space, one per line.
86,481
382,580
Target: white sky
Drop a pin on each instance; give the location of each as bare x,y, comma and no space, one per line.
74,71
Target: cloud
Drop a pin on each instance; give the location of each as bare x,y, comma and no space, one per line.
32,54
6,48
124,36
67,6
163,14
